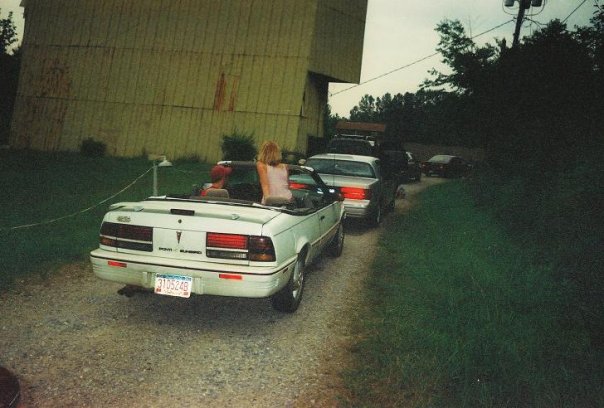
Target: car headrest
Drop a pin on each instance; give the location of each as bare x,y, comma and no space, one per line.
276,201
217,192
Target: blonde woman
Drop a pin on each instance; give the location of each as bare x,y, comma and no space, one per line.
273,174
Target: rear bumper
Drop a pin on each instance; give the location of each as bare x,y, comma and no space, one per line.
434,172
208,279
359,208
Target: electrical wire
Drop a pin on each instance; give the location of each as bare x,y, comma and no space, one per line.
573,12
414,62
77,212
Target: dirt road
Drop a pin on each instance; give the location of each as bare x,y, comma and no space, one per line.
73,342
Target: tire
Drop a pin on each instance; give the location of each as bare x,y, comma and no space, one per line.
392,203
288,299
376,217
336,246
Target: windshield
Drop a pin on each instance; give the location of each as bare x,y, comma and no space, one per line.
341,167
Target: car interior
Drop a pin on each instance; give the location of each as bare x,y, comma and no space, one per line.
243,185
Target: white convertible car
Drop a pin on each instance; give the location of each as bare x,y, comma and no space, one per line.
225,244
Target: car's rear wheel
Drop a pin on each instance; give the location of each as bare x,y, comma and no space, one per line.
336,245
376,218
392,203
288,299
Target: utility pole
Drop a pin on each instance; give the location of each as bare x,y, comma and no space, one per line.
522,6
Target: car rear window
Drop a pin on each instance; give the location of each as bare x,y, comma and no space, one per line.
360,147
341,167
440,159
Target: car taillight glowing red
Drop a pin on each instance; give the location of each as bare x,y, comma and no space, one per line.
230,241
239,247
355,193
297,186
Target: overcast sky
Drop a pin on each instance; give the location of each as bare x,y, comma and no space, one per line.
399,32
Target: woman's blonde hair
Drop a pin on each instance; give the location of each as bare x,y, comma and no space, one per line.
270,153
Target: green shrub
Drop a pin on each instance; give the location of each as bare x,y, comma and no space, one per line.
291,156
93,148
238,146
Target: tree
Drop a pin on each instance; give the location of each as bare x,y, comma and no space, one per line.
365,111
9,74
329,122
469,63
8,33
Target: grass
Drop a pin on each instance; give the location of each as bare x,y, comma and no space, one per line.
460,316
39,187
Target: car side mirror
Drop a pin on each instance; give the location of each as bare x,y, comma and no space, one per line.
302,162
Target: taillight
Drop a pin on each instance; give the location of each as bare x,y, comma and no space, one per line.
297,186
261,249
231,241
127,236
235,246
355,193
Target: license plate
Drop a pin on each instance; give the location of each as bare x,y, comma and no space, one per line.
173,285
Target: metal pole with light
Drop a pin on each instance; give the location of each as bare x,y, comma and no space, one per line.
523,5
164,163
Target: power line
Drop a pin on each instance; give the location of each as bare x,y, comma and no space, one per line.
414,62
77,212
387,73
573,12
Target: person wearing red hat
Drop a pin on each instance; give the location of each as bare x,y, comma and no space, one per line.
219,175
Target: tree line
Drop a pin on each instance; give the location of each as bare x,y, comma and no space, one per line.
541,101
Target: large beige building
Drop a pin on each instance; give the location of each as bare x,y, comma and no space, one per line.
173,76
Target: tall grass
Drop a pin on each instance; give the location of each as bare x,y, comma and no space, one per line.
461,316
38,187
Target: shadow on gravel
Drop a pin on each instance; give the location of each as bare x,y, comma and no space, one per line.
208,312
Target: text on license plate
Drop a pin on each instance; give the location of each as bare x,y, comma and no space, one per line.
173,285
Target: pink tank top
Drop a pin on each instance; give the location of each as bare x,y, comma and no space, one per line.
278,184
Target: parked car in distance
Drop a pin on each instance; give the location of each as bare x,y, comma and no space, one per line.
444,165
367,191
226,244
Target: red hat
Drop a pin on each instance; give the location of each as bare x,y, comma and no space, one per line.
219,172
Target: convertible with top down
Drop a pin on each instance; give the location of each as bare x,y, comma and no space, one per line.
225,243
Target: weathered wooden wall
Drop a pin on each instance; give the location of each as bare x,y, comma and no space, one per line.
174,76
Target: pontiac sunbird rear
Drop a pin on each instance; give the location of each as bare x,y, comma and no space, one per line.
226,244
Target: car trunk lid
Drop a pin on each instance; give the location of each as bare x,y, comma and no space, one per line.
178,229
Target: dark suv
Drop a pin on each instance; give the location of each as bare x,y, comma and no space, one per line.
346,145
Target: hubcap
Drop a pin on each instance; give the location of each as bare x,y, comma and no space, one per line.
298,279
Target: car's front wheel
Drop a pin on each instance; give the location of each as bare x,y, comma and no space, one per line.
288,299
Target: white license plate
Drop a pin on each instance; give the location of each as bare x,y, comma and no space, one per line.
173,285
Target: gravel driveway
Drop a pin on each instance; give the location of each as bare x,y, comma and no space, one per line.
74,342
